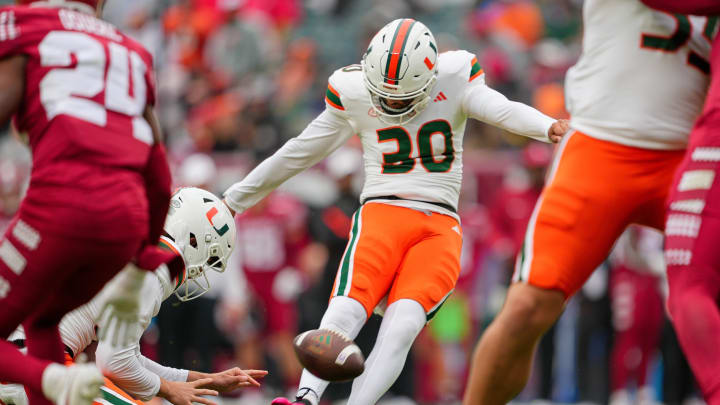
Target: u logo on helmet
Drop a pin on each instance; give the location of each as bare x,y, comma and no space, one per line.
210,215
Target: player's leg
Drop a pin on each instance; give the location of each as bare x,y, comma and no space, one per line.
587,203
426,277
96,264
693,262
34,268
402,322
24,288
366,270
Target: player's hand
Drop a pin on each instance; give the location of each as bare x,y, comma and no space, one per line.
185,393
119,315
13,394
230,380
558,129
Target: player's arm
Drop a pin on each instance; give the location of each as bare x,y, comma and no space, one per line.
322,136
141,377
487,105
695,7
12,86
157,180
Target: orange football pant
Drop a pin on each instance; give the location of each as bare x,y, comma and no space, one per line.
401,253
594,190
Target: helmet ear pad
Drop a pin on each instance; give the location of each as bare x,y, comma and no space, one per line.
400,64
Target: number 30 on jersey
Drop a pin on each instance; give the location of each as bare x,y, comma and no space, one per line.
407,154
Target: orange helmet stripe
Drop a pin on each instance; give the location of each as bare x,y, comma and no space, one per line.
397,47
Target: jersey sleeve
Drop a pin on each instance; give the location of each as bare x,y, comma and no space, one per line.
125,366
332,98
477,75
19,28
322,136
490,106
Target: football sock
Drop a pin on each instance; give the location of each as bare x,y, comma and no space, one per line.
403,321
693,303
344,315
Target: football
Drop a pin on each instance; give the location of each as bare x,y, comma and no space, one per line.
329,355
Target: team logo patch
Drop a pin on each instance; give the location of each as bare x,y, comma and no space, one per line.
320,344
210,215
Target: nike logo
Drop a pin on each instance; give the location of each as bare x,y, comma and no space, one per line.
457,229
440,97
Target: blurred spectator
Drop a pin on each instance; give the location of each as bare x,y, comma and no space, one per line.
638,268
271,238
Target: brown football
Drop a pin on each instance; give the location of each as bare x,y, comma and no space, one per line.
329,355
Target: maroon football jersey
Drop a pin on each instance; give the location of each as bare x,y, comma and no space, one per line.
86,88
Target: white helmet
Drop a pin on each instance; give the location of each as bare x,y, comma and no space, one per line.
202,230
400,64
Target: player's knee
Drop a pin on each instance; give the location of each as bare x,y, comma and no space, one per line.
405,318
532,310
344,315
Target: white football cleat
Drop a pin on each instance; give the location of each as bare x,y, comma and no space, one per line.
78,384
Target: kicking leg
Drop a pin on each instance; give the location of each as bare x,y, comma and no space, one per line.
343,315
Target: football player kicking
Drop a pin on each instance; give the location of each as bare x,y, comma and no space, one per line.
633,96
201,230
693,226
409,106
99,188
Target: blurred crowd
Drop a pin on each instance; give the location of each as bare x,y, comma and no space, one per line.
237,78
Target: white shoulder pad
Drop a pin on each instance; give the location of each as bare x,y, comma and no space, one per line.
462,65
345,88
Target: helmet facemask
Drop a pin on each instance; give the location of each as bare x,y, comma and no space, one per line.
419,101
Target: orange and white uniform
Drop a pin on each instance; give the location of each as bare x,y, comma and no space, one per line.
406,239
633,96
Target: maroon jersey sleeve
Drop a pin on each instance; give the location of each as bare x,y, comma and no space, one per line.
695,7
19,30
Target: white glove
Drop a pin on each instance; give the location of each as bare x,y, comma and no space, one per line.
119,314
13,394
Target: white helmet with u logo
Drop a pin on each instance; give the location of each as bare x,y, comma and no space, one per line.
400,64
202,230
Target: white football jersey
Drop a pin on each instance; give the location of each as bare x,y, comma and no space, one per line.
419,162
422,159
642,76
